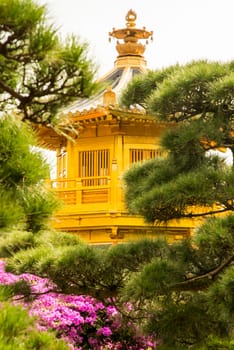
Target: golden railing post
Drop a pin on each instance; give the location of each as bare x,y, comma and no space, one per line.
78,189
114,185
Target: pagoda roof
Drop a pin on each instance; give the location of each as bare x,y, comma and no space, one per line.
130,62
76,121
104,106
116,80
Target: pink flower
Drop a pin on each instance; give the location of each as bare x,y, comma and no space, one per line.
80,320
106,331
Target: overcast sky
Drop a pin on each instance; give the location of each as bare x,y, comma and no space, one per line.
183,29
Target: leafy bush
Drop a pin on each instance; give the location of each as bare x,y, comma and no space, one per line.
12,242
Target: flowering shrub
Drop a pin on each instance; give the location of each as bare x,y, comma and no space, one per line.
82,321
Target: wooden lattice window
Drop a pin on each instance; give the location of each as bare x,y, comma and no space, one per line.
94,166
139,155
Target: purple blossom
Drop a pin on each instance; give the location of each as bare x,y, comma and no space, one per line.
81,321
106,331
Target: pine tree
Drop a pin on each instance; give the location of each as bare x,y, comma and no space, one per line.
189,291
25,203
198,99
39,72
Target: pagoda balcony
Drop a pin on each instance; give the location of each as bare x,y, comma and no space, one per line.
84,191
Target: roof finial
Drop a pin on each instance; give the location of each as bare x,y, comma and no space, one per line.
130,36
131,18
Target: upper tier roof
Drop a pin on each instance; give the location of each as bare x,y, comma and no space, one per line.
130,61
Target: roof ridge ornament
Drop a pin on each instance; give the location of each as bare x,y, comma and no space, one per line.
109,97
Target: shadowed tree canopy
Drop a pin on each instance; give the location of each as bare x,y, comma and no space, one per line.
199,97
39,72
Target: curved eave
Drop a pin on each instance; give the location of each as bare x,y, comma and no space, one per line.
108,114
49,138
92,110
76,122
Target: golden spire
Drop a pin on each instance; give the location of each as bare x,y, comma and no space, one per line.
130,36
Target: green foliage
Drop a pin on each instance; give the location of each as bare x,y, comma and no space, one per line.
39,73
159,195
56,239
187,292
17,331
22,288
222,91
183,145
141,86
186,93
25,202
36,253
12,242
221,296
39,206
6,292
182,293
221,240
187,295
214,343
16,241
20,165
181,92
11,213
199,97
27,260
81,269
190,329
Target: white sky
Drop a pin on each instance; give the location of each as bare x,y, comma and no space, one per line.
183,29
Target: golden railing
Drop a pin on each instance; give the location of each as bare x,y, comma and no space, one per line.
83,190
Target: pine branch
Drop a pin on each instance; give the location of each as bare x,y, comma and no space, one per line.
209,275
212,212
11,91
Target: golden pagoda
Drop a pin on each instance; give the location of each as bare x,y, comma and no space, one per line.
90,168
